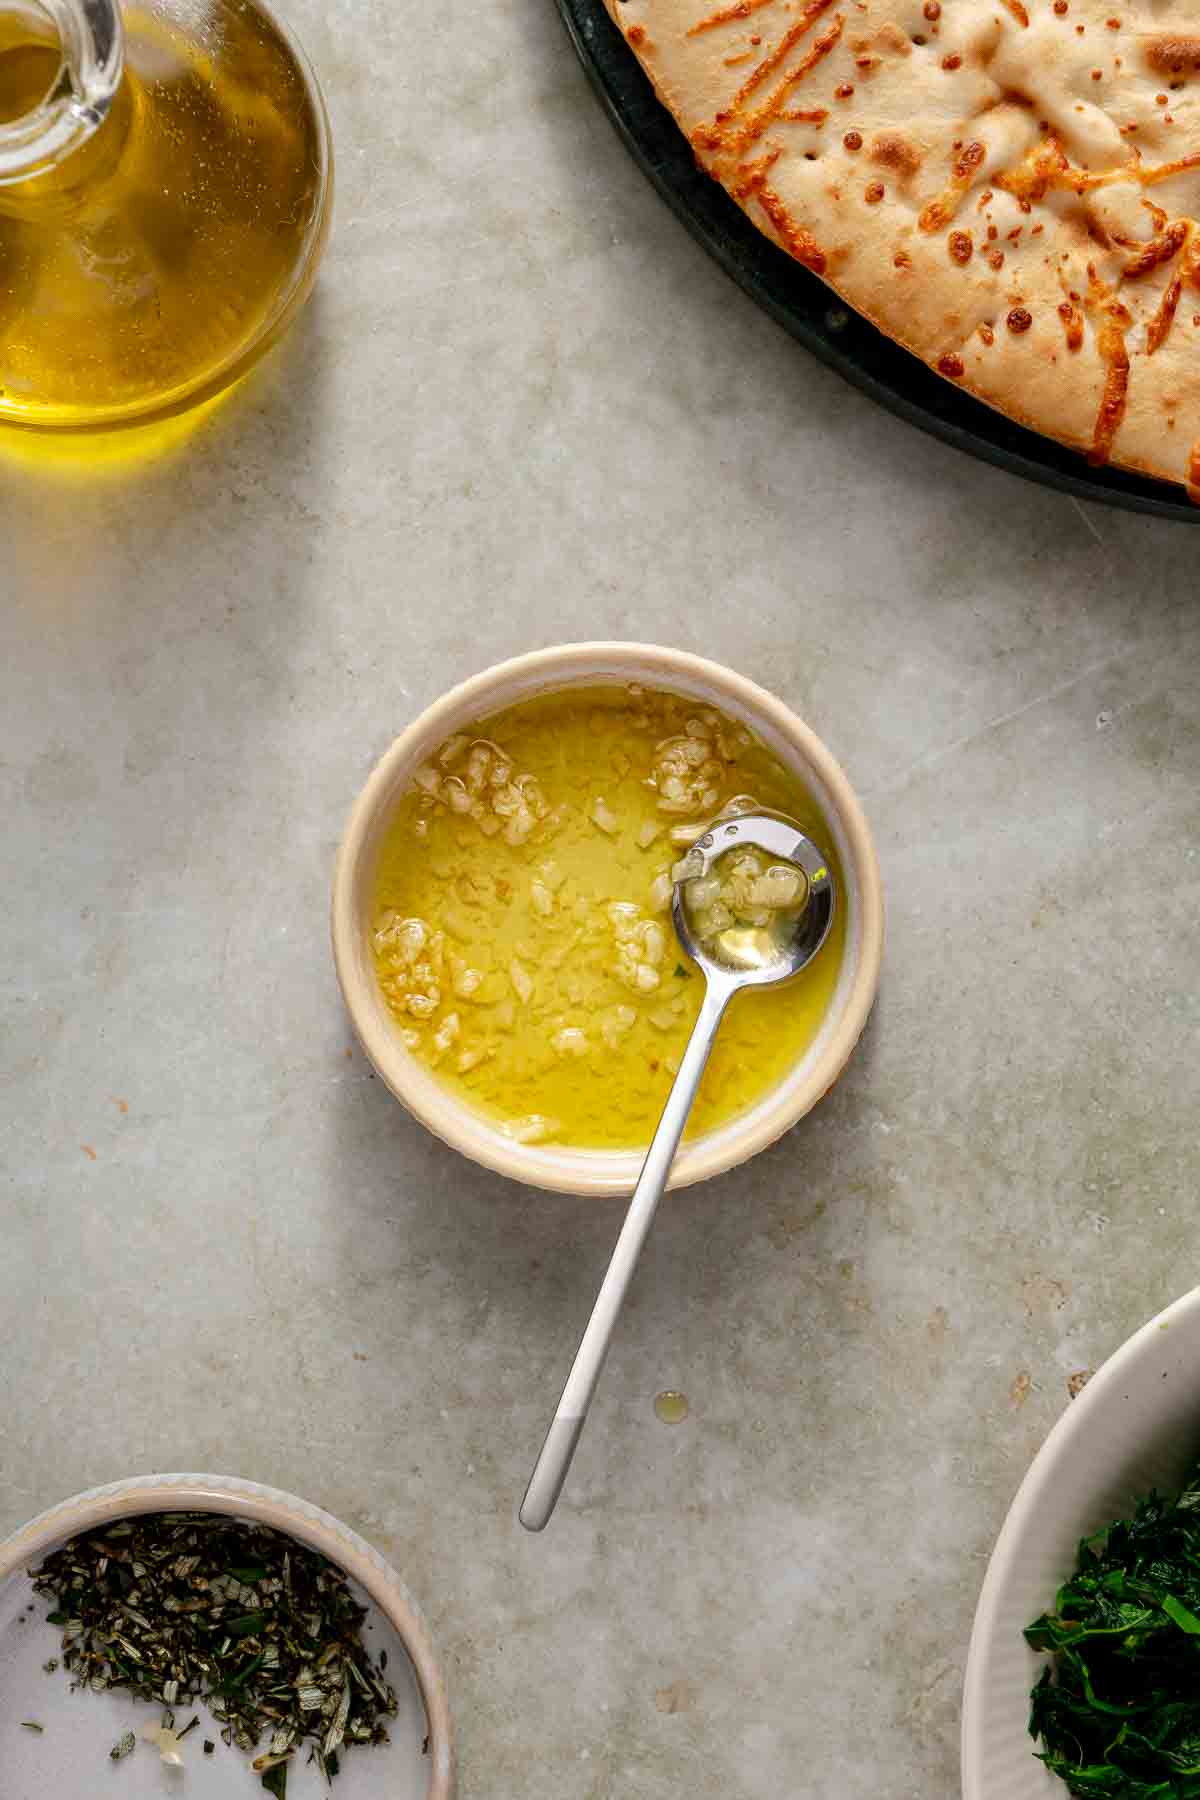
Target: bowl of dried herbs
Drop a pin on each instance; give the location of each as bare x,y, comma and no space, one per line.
207,1630
1083,1675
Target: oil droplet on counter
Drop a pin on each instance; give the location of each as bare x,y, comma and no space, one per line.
672,1408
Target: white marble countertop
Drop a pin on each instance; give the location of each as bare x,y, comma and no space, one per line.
523,407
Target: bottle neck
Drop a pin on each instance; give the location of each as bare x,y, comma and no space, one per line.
92,46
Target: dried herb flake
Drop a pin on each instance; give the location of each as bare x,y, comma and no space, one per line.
185,1607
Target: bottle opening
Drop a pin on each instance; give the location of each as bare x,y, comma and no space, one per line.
60,67
31,60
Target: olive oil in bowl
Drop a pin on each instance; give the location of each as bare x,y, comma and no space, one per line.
521,931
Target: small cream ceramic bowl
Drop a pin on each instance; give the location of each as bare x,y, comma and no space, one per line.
67,1755
560,1167
1135,1426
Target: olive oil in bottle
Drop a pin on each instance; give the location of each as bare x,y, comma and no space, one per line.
151,264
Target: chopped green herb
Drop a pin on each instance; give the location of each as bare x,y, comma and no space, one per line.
158,1605
49,1667
233,1684
32,1725
247,1625
1186,1620
1118,1715
125,1745
190,1726
682,973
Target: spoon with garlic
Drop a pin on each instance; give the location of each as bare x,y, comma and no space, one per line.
752,903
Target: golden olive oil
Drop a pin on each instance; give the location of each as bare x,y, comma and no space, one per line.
137,271
671,1406
521,933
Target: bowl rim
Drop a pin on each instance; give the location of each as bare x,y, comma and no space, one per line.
1064,1434
235,1497
598,1172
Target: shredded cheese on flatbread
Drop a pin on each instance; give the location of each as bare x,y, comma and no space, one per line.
1010,188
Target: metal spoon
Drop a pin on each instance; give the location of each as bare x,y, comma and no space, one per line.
742,959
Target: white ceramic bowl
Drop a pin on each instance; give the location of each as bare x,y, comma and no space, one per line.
1135,1426
544,671
70,1757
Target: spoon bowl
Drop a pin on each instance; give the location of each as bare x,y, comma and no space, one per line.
779,961
756,958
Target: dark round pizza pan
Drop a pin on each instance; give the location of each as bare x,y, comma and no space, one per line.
813,314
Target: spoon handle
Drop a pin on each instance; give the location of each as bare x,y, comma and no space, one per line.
550,1470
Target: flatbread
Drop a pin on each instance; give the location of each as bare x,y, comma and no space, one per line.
1009,188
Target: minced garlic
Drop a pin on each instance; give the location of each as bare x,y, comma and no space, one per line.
166,1742
522,932
746,907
